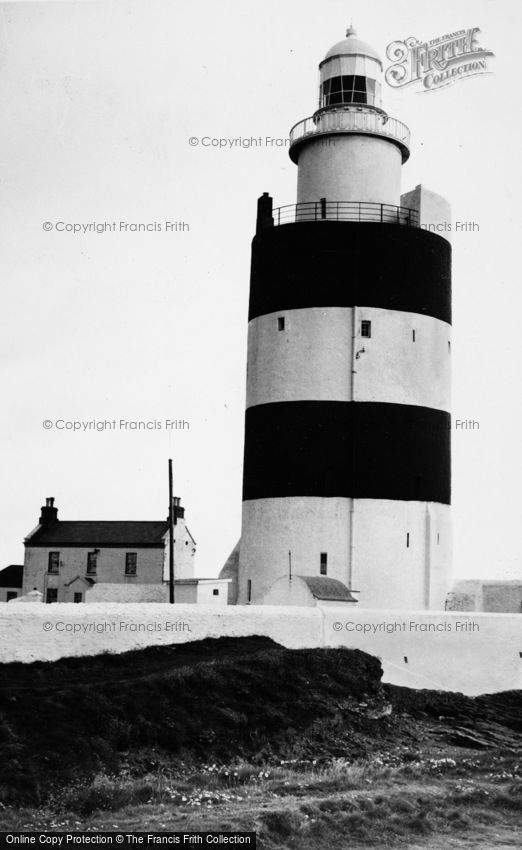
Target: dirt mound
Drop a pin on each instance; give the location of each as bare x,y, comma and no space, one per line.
220,699
213,698
479,722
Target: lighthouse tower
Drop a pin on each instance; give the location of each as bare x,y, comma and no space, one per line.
347,429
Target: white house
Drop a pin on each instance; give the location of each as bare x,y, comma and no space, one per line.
112,560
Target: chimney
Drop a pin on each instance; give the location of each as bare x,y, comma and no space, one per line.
177,511
264,212
49,512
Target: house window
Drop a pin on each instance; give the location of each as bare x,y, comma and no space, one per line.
78,597
92,559
323,563
11,594
249,590
54,562
280,323
52,594
366,328
215,592
131,563
407,539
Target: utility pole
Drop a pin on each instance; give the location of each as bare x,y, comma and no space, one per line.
172,520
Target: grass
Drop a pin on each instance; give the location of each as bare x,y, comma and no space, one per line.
304,805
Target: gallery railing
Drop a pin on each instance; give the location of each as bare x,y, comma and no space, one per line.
350,120
324,210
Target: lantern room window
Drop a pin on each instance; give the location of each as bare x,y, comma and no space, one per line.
348,88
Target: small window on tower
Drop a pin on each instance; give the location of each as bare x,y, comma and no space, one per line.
249,590
323,563
280,323
366,328
413,335
449,347
408,539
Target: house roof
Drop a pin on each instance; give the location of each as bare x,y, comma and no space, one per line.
328,589
12,576
100,533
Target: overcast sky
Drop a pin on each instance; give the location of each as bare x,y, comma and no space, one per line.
98,102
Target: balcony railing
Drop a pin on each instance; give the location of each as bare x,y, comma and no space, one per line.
347,120
342,211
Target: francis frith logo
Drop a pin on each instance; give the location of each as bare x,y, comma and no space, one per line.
436,63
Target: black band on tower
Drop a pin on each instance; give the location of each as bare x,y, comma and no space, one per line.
342,264
365,450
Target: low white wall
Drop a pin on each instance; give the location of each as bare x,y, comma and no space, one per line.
458,651
454,651
48,632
